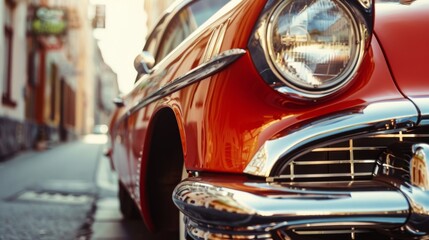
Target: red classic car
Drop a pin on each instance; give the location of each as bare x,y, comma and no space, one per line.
279,119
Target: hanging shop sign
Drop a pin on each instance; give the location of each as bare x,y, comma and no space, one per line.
50,21
99,20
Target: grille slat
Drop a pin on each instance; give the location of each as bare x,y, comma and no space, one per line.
348,149
323,162
325,175
351,159
329,234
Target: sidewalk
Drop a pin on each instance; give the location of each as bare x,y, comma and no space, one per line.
108,222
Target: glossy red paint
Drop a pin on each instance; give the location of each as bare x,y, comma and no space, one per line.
234,112
401,31
132,143
228,116
224,119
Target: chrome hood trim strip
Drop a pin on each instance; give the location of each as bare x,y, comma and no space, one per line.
375,117
204,70
262,207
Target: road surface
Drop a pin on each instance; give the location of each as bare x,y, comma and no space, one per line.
65,192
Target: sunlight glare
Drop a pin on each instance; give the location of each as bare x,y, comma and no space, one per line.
95,139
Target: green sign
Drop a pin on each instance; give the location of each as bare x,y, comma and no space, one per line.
49,21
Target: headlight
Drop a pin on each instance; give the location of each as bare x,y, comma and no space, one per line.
313,46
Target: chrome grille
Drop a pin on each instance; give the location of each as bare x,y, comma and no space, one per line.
330,234
348,160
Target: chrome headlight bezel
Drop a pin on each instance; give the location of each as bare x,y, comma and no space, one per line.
261,52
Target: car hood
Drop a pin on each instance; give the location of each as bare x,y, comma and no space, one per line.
402,28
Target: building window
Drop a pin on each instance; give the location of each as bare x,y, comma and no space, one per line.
7,73
54,91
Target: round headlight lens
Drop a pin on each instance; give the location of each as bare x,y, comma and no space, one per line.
313,44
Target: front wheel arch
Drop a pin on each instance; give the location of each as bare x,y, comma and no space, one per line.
164,171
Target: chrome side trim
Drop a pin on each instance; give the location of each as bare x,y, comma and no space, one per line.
239,206
204,70
376,117
422,104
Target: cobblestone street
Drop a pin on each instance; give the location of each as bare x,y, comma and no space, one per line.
66,192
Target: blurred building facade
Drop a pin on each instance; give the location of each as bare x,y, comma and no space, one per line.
154,10
50,73
106,89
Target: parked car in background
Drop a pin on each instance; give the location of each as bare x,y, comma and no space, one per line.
100,129
279,119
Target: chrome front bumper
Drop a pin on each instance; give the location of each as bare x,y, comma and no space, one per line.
236,208
220,209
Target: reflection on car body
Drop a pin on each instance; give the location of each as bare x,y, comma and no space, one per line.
279,120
